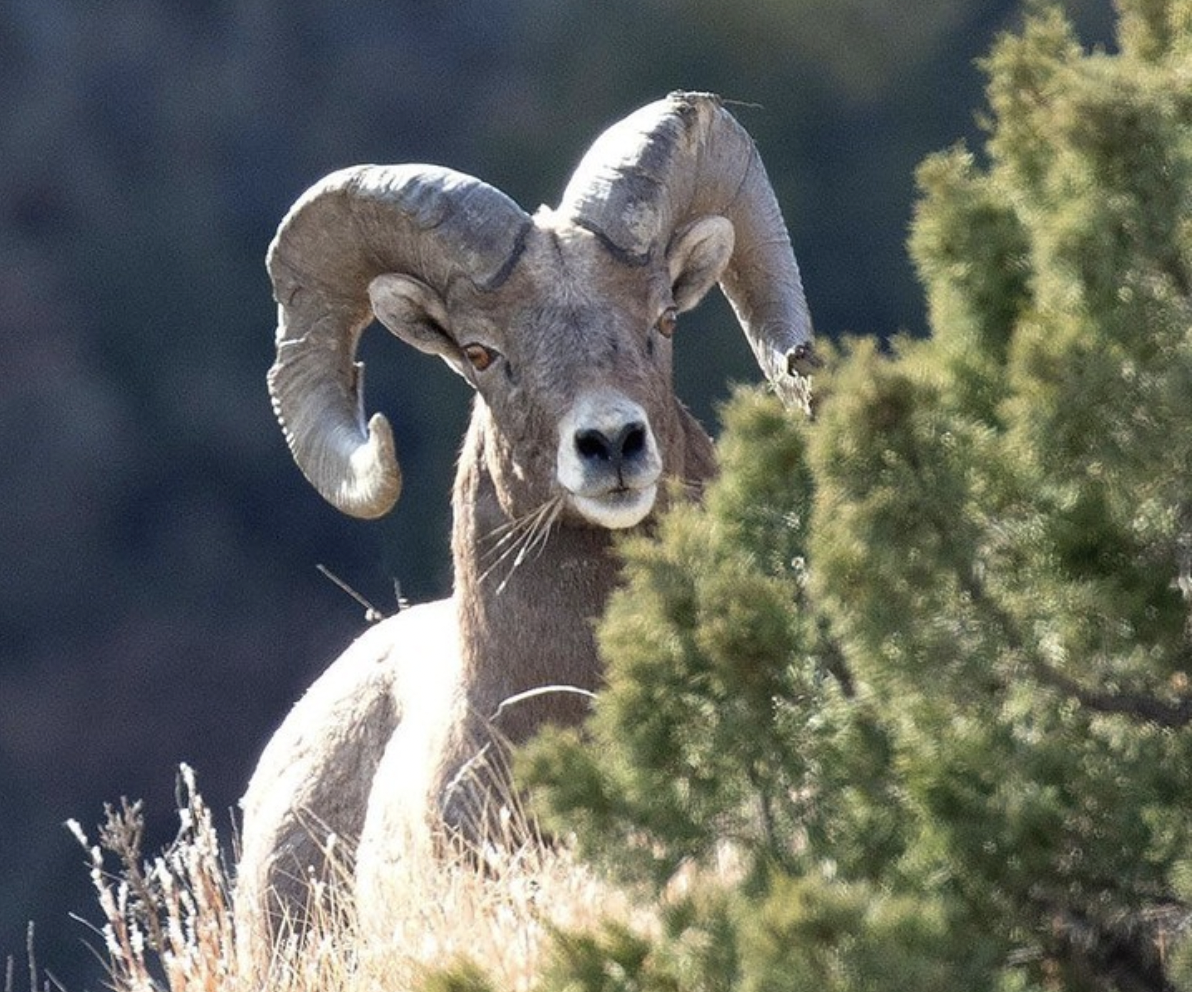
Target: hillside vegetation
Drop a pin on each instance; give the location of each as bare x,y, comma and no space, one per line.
905,703
924,665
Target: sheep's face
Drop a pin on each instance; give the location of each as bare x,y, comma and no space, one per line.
571,358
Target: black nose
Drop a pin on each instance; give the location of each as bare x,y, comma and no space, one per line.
628,443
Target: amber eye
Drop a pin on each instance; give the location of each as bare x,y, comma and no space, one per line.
667,322
480,356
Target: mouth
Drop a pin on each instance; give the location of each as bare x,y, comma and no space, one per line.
616,509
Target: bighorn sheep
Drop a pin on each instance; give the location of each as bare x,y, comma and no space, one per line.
562,324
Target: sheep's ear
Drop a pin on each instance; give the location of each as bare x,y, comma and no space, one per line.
413,312
697,256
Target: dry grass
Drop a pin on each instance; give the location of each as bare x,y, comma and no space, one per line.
168,921
37,981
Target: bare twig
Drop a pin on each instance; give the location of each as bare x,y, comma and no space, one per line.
371,613
542,690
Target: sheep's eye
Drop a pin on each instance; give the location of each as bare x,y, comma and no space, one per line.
667,322
480,356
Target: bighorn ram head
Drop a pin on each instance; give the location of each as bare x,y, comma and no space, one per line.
562,321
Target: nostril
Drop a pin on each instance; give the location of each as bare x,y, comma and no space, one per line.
592,445
595,445
633,440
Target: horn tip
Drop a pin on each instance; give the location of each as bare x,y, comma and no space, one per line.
802,360
374,481
792,376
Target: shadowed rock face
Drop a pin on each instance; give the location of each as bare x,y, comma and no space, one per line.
563,324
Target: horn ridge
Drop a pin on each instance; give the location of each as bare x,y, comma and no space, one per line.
428,222
680,158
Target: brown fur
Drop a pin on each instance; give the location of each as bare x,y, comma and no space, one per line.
575,431
343,762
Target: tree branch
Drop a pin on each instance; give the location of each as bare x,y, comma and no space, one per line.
1171,714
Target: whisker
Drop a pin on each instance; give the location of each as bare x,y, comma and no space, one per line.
538,540
514,530
522,537
537,535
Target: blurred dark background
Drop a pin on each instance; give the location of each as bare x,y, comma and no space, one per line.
159,599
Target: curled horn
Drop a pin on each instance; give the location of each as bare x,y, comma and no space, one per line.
426,222
670,163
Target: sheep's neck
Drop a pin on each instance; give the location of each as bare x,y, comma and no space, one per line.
528,625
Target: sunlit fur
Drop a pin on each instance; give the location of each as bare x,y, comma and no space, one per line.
562,324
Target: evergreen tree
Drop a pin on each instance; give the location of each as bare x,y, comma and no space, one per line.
922,667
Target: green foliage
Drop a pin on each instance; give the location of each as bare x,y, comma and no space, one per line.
923,667
703,634
463,976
